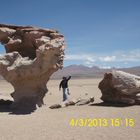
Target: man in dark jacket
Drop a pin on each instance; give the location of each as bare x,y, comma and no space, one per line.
64,85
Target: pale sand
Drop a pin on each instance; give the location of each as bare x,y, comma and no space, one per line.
47,124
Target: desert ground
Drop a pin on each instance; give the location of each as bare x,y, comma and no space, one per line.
54,124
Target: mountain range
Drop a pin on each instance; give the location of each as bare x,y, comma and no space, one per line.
81,71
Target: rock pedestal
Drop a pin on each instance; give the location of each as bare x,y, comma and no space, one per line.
120,87
32,56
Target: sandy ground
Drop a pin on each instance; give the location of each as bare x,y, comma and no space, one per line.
47,124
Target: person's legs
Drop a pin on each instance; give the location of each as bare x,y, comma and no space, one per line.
65,94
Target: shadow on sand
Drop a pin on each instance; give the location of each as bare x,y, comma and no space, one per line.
107,104
5,106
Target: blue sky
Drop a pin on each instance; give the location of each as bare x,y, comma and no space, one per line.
105,33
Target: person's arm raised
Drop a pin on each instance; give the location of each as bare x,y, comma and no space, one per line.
69,78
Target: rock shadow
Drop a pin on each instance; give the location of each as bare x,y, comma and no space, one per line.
109,104
6,106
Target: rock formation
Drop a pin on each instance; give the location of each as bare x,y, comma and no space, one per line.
32,56
120,87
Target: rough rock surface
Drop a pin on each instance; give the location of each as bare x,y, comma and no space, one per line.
32,56
120,87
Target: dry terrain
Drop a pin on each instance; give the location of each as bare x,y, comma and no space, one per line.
54,124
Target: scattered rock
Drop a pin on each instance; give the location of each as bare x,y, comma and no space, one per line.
77,102
55,106
85,101
70,103
120,87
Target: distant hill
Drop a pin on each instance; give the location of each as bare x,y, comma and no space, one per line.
80,71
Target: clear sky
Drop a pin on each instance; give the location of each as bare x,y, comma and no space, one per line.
105,33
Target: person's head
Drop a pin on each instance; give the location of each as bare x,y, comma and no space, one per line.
64,78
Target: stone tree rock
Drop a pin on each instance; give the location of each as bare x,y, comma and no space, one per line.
120,87
32,56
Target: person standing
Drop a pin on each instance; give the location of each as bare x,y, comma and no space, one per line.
64,85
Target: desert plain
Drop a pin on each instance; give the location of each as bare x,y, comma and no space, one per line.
54,124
